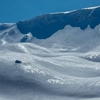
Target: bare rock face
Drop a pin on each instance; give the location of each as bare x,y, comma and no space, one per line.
46,25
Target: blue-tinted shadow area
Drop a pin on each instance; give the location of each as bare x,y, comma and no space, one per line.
44,26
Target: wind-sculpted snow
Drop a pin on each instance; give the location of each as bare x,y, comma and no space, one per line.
63,65
44,26
47,75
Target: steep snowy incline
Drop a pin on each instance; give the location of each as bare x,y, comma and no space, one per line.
72,39
70,31
10,34
44,26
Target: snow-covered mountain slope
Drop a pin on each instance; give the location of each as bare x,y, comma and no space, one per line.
45,25
51,57
72,39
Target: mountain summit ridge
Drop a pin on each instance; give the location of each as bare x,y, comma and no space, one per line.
44,26
73,30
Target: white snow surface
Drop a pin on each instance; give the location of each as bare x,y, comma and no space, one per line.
92,7
65,66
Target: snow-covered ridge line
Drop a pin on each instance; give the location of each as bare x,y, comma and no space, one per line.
7,23
4,26
70,11
63,12
44,26
92,7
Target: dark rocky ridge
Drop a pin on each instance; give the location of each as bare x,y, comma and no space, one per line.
44,26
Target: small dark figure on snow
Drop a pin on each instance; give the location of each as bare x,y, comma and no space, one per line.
18,61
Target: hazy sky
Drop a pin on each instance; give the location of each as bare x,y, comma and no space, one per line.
15,10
